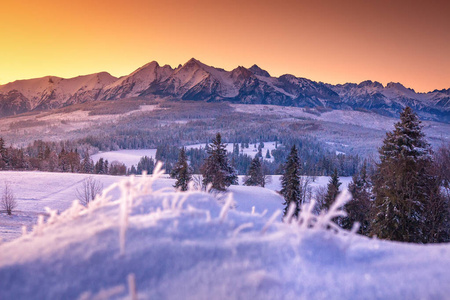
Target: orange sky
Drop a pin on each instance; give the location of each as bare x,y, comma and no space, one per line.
329,41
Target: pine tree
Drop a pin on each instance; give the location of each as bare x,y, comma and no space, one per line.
145,164
255,175
106,166
99,166
2,147
403,184
268,154
358,209
62,160
87,166
181,171
3,159
132,170
235,149
332,190
290,182
216,169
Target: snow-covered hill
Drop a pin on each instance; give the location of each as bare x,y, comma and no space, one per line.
197,81
36,190
148,243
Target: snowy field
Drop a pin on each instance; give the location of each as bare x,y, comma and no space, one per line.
36,190
132,157
127,157
148,243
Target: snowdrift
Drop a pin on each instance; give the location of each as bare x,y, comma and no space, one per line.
138,240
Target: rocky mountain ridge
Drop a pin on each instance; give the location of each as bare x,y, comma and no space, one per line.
200,82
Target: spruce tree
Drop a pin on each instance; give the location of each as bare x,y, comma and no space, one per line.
216,169
403,184
290,182
332,190
87,165
181,171
145,164
3,159
99,166
255,175
358,209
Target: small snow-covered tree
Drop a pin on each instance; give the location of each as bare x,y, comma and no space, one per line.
290,182
255,175
332,190
216,170
99,167
182,172
3,153
8,201
359,207
146,164
87,165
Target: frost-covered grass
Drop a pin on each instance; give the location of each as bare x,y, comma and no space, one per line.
143,239
36,190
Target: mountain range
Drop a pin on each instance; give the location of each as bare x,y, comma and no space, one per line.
200,82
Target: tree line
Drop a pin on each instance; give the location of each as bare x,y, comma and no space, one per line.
405,198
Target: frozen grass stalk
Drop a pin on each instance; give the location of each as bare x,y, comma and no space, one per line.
241,227
132,286
271,221
126,187
226,207
290,213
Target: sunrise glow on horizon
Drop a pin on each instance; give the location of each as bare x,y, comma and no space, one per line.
328,41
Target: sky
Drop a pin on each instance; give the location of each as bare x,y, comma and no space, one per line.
329,41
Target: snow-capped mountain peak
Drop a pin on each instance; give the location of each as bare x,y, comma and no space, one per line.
258,71
197,81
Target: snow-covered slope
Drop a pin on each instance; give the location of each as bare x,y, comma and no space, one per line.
147,243
199,82
392,98
51,92
134,84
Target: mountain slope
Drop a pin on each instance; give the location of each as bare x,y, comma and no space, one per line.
51,92
200,82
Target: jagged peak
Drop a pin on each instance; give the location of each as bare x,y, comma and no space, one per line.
255,69
444,91
288,77
241,71
193,62
151,65
398,86
370,83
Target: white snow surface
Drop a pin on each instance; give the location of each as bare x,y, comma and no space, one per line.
189,245
127,157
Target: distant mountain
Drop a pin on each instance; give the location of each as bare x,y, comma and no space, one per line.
51,92
199,82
